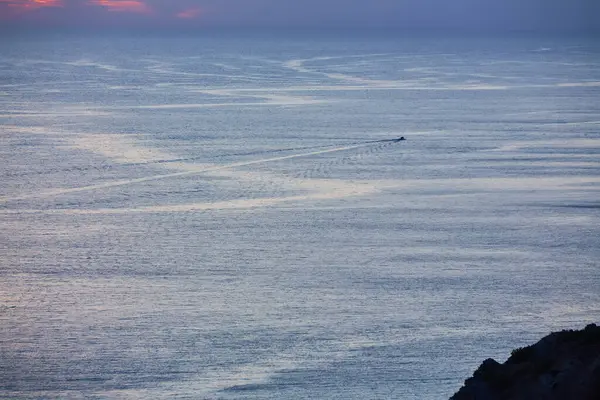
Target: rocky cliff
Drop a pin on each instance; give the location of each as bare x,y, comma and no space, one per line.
562,365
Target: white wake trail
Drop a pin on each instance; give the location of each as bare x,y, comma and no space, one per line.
124,182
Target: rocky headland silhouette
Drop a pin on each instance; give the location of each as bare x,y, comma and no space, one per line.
563,365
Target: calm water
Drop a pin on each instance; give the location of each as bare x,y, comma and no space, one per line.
221,216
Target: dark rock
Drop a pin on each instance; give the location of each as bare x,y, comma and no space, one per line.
563,365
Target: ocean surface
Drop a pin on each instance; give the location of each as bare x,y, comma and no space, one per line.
226,215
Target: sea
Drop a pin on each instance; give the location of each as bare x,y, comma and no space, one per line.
231,215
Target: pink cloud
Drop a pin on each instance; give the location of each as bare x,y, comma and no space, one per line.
189,13
26,5
132,6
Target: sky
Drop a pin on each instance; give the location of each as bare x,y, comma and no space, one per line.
497,15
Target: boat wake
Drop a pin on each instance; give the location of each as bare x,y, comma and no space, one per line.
260,188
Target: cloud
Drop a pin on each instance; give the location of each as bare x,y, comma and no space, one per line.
26,5
46,3
132,6
190,13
